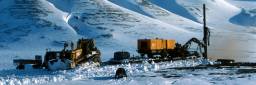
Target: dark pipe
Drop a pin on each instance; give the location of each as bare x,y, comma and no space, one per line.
206,34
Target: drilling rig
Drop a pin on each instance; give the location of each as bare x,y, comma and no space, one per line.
159,50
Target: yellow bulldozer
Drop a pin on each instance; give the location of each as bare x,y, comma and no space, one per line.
86,51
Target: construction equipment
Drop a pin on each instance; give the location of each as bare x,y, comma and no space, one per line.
36,63
86,51
120,57
159,50
154,46
169,49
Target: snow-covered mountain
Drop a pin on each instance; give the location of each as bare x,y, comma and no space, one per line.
44,24
34,25
28,27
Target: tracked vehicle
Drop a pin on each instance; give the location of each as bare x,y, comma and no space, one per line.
159,50
86,51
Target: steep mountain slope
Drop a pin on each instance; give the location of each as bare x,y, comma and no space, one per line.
32,21
115,24
154,11
247,16
219,13
116,28
28,27
217,10
174,7
228,40
34,25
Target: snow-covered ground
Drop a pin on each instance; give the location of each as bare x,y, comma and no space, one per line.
29,27
138,74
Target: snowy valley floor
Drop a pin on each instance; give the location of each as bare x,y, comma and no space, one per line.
138,74
230,39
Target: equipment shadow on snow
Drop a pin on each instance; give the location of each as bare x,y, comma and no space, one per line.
32,72
103,78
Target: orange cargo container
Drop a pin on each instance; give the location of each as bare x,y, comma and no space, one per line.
170,44
155,44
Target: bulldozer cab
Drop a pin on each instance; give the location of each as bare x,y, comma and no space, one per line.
51,55
85,44
89,49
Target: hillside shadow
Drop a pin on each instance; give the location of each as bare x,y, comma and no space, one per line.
174,7
245,18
